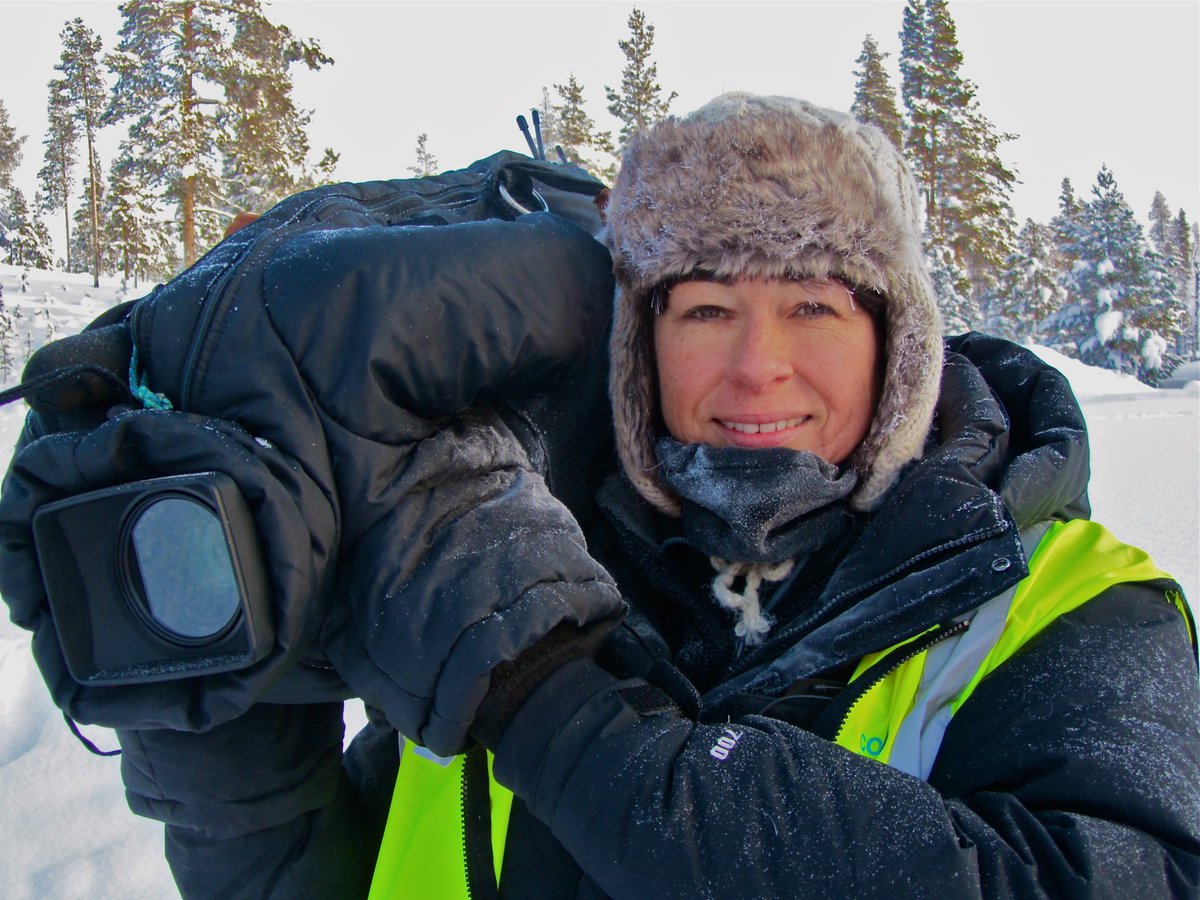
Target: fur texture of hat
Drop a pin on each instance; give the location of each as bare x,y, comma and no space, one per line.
771,187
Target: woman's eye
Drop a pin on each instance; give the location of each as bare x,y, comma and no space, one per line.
806,310
705,312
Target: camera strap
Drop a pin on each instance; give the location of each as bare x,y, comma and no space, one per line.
87,743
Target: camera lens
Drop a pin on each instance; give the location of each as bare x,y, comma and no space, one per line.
187,578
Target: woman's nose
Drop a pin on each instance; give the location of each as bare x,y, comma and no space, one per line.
759,356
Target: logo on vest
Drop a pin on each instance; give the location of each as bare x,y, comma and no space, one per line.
871,746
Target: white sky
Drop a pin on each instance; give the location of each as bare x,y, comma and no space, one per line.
1083,83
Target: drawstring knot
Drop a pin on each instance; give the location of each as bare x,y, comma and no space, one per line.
752,623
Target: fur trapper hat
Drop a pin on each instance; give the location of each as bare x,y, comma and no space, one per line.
771,187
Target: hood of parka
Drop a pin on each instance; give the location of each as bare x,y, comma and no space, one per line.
771,187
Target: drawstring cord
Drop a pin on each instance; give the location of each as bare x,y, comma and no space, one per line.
752,623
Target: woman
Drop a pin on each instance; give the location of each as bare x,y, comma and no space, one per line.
841,548
871,644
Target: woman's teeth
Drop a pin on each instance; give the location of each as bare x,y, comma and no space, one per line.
765,427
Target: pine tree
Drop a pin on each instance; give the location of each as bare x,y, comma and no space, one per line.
55,177
953,148
139,238
168,53
1066,223
548,122
639,100
577,134
1122,313
874,98
324,172
1182,265
9,345
87,95
427,163
266,145
1160,223
952,289
1030,290
28,239
83,241
10,149
981,223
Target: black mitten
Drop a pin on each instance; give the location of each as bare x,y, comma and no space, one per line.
473,565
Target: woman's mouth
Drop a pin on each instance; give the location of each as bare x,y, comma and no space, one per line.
763,427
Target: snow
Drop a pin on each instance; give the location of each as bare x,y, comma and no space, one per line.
1107,323
1105,267
66,830
1152,351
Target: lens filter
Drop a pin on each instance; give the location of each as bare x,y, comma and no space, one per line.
187,580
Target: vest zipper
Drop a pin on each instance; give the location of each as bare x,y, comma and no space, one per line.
477,827
861,686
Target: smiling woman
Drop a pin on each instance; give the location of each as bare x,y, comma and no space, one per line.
780,363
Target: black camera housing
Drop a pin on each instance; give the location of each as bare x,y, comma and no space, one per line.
155,580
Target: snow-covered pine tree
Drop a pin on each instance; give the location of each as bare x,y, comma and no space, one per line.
28,238
953,147
981,224
639,99
10,149
1160,224
10,158
83,77
265,144
83,242
1122,313
176,67
139,238
427,163
1029,291
170,62
582,143
1065,225
952,289
9,345
874,98
55,176
1182,264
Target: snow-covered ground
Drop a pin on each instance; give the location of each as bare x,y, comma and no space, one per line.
65,829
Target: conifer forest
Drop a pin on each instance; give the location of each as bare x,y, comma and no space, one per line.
201,94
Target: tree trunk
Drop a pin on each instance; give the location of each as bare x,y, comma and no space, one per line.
187,101
95,201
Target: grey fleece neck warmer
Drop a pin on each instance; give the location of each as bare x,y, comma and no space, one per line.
756,506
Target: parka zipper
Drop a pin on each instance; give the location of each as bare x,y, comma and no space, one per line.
785,635
861,686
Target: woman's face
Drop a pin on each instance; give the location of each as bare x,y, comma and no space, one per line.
767,364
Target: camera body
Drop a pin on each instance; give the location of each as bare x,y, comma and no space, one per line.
155,580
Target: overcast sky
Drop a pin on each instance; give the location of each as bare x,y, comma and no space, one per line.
1082,83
